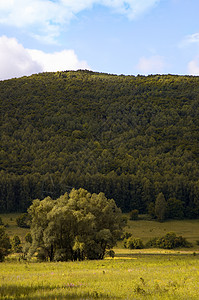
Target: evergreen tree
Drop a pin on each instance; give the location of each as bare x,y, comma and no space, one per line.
160,207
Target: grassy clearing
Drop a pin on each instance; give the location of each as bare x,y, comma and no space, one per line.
146,229
11,226
141,277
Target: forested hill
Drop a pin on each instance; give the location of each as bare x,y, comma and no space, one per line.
129,137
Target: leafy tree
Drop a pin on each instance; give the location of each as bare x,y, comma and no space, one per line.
16,244
151,209
133,243
75,227
23,221
28,238
5,245
27,245
160,207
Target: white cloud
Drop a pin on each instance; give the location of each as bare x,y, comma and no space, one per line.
152,65
47,17
17,61
190,39
58,61
193,67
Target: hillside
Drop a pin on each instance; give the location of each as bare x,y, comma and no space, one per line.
130,137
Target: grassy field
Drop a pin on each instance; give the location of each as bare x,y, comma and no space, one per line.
133,274
140,277
9,221
146,229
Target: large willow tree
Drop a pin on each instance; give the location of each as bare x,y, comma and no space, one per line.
76,226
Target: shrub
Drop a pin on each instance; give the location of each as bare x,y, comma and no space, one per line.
4,243
1,222
126,235
134,214
16,244
169,241
133,243
28,238
23,221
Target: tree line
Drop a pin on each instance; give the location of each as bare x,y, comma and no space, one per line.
129,137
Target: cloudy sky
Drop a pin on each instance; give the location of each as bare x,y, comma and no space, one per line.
113,36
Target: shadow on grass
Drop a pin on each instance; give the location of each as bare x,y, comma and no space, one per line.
46,292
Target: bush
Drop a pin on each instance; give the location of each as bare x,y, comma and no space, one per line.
16,244
133,243
4,243
23,221
1,222
126,235
134,214
169,241
28,238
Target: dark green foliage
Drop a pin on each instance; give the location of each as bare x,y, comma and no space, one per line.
5,245
76,226
174,209
169,241
160,207
28,238
1,222
129,137
23,221
126,235
133,243
151,209
134,214
16,244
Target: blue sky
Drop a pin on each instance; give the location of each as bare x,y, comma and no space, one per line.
113,36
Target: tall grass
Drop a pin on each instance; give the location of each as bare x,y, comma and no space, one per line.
141,277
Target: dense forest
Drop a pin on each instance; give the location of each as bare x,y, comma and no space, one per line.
131,137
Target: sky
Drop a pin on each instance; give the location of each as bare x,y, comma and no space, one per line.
128,37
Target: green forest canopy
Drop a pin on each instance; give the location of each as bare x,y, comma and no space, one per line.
129,137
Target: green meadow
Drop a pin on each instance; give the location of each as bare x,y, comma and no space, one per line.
132,274
138,277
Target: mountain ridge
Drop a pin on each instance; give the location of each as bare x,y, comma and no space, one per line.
131,137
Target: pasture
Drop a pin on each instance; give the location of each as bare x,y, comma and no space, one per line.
133,274
138,277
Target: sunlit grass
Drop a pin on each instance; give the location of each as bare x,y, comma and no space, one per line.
133,274
142,277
